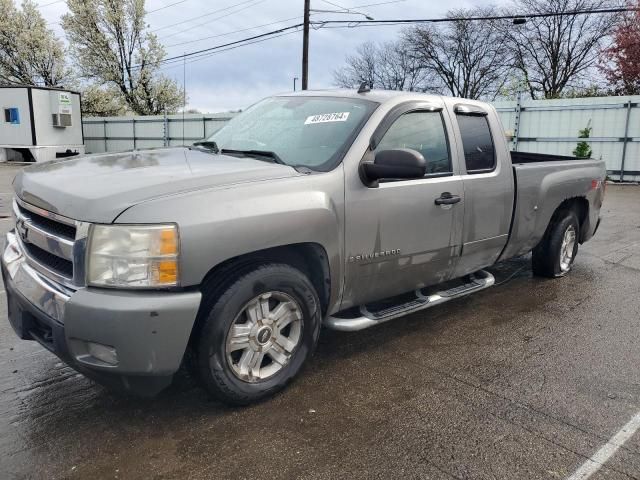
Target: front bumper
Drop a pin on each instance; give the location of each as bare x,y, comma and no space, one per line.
148,330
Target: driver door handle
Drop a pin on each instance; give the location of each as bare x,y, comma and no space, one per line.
447,199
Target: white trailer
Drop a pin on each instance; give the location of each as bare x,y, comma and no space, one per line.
39,124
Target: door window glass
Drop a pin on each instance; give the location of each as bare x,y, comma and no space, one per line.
424,132
479,152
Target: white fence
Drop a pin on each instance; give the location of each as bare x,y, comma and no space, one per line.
551,126
542,126
117,134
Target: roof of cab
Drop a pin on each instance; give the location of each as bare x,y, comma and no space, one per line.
379,96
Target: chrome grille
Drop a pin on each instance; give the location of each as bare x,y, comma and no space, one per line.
47,240
63,230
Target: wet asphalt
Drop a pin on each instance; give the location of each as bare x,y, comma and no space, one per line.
525,380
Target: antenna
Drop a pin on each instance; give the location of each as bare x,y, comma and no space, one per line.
364,87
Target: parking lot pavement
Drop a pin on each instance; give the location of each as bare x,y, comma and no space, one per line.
528,379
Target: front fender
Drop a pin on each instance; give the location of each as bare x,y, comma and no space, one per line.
226,222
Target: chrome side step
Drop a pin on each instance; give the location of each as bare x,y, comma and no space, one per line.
369,317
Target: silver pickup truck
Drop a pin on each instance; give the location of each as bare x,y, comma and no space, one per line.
337,208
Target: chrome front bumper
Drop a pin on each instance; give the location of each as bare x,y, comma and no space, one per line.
45,295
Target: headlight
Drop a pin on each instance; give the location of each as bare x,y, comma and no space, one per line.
133,256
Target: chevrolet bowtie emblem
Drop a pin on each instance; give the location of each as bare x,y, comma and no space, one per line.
23,230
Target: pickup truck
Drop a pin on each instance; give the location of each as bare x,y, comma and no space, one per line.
337,208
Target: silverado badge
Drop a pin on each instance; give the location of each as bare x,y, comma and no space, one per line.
371,256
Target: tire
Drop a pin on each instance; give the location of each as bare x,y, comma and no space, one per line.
242,355
553,257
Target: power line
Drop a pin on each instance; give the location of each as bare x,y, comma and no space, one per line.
361,23
177,63
346,9
217,47
358,23
202,16
379,3
230,33
207,23
166,6
50,3
147,13
251,28
336,5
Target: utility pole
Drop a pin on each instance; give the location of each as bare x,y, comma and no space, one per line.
305,46
294,83
184,91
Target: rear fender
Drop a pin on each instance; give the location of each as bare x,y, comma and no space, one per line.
542,189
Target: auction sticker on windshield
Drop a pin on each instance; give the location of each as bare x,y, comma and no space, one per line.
327,117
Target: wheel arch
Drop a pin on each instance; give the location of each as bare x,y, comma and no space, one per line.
309,257
579,205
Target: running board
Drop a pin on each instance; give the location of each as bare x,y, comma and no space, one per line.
368,316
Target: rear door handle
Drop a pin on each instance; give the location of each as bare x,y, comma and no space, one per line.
447,199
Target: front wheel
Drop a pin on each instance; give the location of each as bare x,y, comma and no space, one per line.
554,255
258,333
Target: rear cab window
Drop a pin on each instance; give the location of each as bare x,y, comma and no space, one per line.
477,142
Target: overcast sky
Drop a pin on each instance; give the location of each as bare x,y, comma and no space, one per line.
237,78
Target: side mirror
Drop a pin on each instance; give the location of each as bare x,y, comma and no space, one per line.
399,163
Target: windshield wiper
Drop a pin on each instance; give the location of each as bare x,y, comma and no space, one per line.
273,156
208,144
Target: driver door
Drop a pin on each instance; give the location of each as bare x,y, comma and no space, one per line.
397,237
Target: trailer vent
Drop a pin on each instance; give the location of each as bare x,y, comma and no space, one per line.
61,119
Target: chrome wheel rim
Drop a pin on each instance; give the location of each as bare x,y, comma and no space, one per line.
566,250
264,336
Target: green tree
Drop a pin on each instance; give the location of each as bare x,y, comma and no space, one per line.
30,53
110,44
583,150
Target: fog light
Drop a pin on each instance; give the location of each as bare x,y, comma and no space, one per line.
105,353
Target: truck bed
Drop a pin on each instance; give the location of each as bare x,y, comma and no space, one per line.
542,183
530,157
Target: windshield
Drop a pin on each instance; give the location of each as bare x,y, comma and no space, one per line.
313,132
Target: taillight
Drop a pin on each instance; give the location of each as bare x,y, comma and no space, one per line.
597,184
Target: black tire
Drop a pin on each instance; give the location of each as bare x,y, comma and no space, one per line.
547,255
221,312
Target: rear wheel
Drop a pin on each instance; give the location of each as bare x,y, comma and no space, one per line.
258,333
554,255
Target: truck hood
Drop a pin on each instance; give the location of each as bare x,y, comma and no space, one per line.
97,188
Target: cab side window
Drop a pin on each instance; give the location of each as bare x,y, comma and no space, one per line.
424,132
479,152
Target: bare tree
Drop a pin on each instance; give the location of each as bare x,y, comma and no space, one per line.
389,66
109,41
558,52
469,58
30,53
359,67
